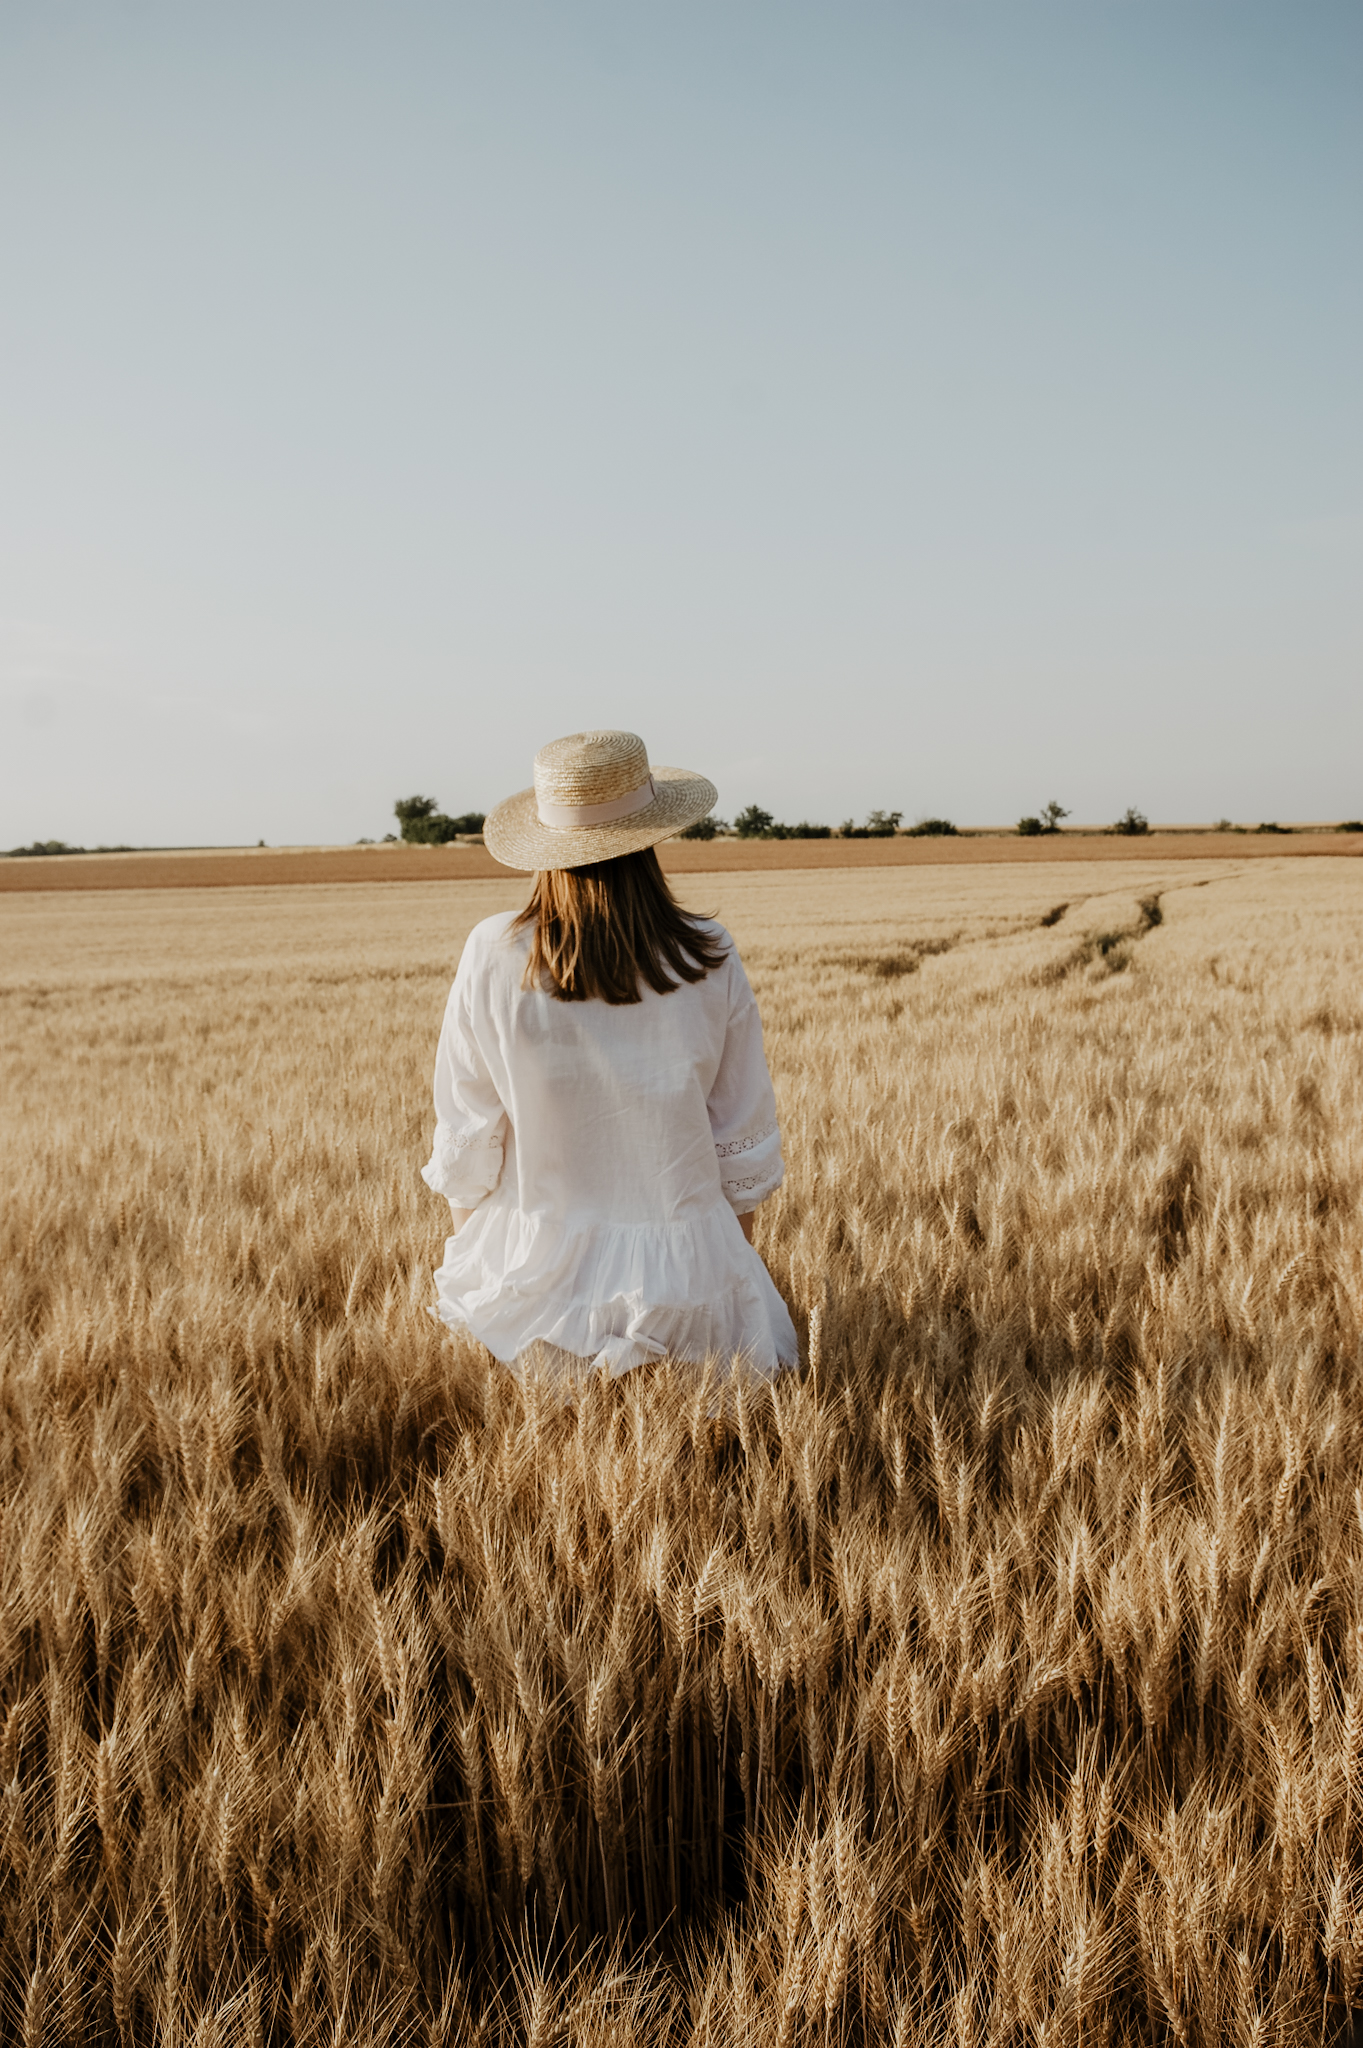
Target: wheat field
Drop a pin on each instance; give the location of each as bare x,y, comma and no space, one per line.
997,1679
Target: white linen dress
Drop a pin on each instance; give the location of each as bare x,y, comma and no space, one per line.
607,1152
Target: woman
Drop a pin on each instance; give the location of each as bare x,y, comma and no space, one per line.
605,1119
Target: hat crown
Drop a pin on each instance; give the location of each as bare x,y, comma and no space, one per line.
590,768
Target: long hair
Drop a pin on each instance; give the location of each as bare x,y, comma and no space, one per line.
601,930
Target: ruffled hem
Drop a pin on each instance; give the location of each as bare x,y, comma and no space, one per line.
615,1296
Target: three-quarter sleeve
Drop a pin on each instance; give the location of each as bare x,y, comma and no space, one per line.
471,1120
742,1106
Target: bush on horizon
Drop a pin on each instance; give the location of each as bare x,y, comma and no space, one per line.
879,825
755,823
423,825
1046,824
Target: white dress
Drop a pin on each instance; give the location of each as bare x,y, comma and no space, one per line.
607,1152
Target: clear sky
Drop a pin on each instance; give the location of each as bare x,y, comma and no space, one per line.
941,407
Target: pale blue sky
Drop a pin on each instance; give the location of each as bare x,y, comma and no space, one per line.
939,407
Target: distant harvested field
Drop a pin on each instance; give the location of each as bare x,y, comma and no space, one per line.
270,867
997,1682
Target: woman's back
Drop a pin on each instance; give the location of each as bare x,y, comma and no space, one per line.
610,1103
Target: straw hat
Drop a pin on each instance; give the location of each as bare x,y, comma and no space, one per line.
595,796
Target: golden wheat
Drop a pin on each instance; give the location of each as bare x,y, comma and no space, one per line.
1000,1679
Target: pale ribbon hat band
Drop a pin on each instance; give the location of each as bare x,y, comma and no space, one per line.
572,817
596,796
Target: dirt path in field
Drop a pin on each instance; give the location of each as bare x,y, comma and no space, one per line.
256,867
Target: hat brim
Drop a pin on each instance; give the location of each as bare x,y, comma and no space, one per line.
515,835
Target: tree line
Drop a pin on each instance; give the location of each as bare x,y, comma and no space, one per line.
755,823
424,824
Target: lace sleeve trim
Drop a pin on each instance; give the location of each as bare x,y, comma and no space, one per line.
449,1144
745,1191
748,1144
464,1163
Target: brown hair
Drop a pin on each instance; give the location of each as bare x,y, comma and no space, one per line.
597,932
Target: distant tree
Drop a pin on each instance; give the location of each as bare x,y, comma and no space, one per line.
933,828
755,823
1051,814
423,825
879,825
1132,823
414,810
1223,825
1273,828
1030,828
1351,825
704,828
